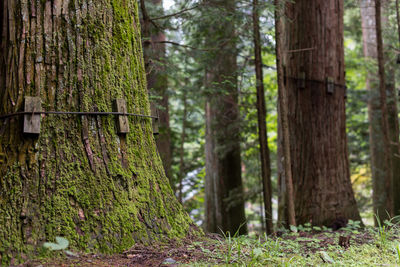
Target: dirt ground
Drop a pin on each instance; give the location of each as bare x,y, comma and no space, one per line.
172,254
192,250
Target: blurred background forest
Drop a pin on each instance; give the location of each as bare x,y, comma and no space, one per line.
179,45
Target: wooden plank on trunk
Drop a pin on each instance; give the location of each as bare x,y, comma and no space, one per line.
32,121
122,120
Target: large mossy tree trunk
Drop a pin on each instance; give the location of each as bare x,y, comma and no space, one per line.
78,178
317,121
224,201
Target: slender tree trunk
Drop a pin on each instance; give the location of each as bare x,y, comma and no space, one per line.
393,124
393,115
157,82
182,147
283,108
224,202
393,110
262,127
78,178
376,137
398,19
384,112
314,81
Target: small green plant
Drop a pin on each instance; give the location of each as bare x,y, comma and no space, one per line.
382,232
307,227
61,244
398,252
353,226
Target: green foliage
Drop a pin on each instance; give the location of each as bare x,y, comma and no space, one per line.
353,226
397,248
385,231
61,244
294,250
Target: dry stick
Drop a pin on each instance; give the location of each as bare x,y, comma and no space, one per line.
262,127
383,104
282,94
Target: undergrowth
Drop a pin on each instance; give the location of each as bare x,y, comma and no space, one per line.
308,246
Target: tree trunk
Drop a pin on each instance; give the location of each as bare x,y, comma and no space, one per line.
182,147
379,156
78,178
314,81
395,157
157,82
384,112
283,109
224,203
262,127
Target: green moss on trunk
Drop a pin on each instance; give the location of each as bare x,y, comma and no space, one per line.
78,178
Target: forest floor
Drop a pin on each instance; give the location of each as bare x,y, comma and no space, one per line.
303,246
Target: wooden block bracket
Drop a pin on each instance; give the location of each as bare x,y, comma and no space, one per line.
122,120
155,120
330,86
32,121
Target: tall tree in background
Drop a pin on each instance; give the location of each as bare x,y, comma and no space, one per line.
78,178
224,202
286,209
314,80
157,82
384,143
262,126
396,159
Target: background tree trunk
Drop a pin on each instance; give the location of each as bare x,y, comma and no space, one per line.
384,112
396,160
78,178
224,190
377,147
262,124
182,147
287,192
317,119
382,182
157,81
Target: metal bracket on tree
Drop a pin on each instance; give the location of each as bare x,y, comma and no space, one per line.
33,110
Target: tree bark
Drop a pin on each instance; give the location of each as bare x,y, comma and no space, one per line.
182,147
314,78
224,202
283,109
78,178
396,158
384,113
262,126
381,190
157,82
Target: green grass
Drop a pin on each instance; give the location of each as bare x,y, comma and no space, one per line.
312,247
